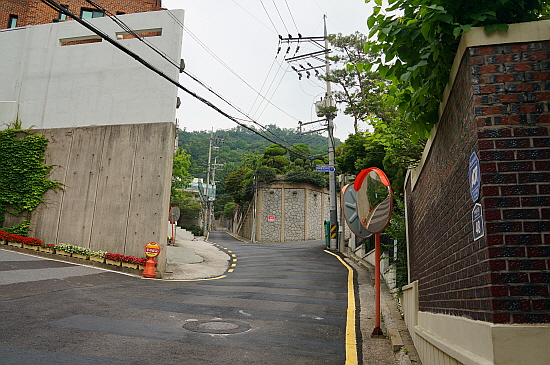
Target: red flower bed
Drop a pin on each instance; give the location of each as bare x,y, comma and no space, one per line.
24,240
124,258
3,235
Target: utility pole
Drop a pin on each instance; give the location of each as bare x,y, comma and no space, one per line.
325,108
209,202
332,172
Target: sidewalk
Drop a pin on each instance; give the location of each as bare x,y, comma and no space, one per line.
191,259
400,343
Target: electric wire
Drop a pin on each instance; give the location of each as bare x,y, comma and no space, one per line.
228,68
166,57
276,8
56,6
259,21
268,16
291,16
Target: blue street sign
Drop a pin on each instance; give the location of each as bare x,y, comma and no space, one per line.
324,168
477,221
474,176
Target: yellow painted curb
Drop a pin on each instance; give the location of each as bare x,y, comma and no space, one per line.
351,336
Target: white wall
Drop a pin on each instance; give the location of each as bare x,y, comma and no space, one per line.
49,85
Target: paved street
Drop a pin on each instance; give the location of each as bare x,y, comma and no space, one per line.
281,303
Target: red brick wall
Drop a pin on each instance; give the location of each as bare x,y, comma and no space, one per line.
499,108
32,12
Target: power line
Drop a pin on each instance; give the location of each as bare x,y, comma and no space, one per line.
229,68
259,21
276,8
288,7
56,6
165,56
269,17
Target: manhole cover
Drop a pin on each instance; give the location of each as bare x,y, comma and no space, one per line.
217,326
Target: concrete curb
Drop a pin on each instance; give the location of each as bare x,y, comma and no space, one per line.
389,322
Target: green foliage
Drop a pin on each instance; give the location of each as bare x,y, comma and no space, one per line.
23,181
397,231
299,151
359,152
181,178
229,210
194,229
417,41
236,183
274,150
301,175
188,204
266,173
239,143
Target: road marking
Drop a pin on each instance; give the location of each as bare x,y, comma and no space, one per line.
216,278
351,336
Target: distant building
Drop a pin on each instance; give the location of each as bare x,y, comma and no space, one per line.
20,13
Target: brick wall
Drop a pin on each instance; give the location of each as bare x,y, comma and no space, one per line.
33,12
499,108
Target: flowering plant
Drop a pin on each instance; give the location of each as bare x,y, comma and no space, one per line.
124,258
113,256
22,239
65,247
100,254
3,235
81,250
47,245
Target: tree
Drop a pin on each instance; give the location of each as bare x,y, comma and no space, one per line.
180,176
274,156
236,182
360,88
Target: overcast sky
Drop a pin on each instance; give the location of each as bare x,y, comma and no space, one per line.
231,46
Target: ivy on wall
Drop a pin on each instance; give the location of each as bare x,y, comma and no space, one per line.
23,181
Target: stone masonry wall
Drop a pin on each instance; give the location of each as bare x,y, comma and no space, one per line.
287,204
294,215
271,206
314,215
498,108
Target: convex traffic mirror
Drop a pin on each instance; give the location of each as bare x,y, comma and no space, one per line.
374,199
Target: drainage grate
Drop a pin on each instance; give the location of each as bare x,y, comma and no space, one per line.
217,327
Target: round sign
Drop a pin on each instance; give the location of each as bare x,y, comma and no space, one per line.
152,249
374,199
349,202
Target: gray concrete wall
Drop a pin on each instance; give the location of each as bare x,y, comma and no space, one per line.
116,187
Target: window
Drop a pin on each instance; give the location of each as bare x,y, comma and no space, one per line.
90,13
61,15
12,22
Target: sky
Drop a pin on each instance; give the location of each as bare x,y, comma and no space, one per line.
231,46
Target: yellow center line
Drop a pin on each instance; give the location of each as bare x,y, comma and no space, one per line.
351,337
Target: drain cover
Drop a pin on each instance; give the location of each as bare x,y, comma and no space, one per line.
217,326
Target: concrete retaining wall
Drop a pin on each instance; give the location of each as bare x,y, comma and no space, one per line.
116,187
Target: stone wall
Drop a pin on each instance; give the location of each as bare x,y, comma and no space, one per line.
297,210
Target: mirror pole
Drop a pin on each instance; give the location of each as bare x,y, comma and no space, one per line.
377,330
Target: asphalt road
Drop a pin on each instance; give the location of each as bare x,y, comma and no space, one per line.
281,303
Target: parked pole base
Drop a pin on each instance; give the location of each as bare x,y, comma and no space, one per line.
377,332
149,271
